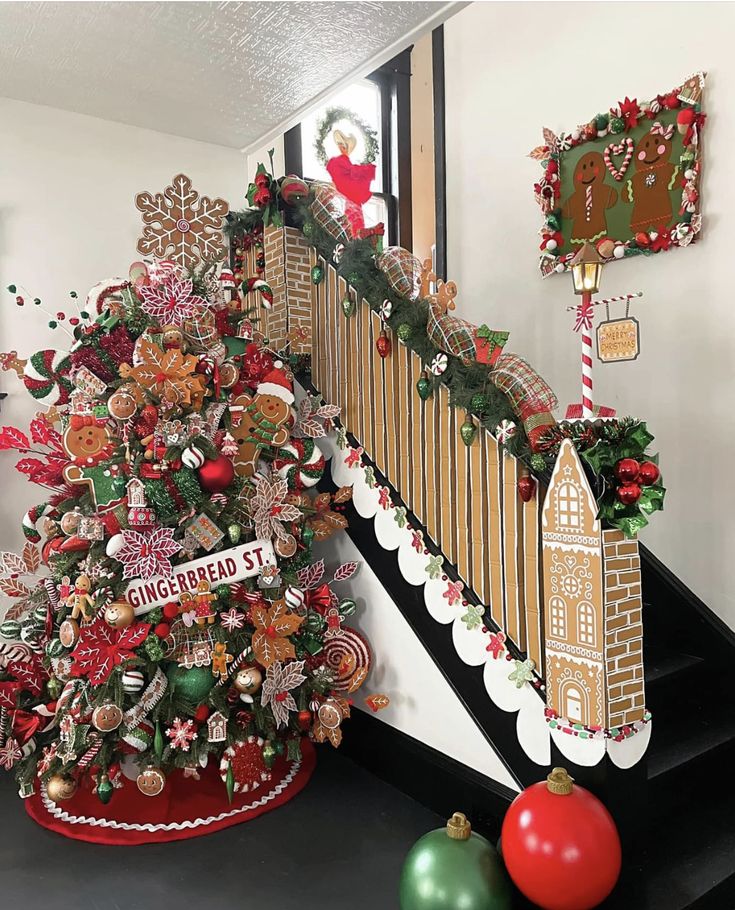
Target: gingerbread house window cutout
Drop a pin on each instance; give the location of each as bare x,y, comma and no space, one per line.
592,612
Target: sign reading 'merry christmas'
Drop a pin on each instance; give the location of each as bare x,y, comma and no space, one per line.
217,568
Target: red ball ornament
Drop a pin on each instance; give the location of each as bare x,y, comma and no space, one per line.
217,474
201,713
526,487
304,720
560,845
626,470
629,493
649,473
383,344
170,610
162,629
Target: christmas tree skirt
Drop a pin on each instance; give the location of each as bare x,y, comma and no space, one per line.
185,809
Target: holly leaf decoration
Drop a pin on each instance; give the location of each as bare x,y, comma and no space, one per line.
12,588
377,702
345,571
270,641
28,673
310,576
31,557
12,564
551,139
13,438
43,433
344,494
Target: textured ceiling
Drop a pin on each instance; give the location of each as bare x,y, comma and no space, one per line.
228,73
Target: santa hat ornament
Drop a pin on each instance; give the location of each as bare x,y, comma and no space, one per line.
275,382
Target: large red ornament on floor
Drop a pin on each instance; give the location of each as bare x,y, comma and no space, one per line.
560,845
185,808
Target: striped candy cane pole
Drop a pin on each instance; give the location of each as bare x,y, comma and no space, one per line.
583,325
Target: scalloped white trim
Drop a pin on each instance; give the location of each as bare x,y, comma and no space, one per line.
534,734
65,816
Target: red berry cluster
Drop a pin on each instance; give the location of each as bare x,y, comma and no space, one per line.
633,475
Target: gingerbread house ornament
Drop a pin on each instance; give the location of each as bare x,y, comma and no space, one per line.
217,727
592,607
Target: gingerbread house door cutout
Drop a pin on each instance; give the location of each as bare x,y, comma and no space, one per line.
574,620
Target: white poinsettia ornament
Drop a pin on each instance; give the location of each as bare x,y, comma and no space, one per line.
280,679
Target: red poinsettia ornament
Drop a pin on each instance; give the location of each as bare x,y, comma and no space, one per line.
101,648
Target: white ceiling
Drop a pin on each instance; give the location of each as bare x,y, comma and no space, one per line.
231,73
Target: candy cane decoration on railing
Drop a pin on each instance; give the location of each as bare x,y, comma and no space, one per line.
583,324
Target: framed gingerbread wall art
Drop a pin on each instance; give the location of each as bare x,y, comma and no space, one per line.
627,181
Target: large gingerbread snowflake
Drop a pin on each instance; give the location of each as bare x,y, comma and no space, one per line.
181,225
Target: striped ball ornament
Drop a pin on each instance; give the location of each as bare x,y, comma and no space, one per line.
132,681
10,629
192,457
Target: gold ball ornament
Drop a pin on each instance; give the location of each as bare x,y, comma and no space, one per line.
121,405
119,614
151,781
107,718
60,787
248,680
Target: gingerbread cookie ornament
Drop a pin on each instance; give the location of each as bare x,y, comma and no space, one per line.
649,188
89,446
262,420
592,197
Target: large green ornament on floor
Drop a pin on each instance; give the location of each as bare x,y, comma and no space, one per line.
193,684
453,868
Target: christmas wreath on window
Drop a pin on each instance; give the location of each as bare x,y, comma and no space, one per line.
326,125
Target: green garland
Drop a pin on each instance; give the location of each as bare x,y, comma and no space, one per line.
332,116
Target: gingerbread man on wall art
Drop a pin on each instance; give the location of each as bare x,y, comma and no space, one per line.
592,197
650,187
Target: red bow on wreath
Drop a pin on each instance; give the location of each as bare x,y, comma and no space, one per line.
319,599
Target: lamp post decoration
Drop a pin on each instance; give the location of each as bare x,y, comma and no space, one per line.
586,268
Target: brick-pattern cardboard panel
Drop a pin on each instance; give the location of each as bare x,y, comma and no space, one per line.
623,629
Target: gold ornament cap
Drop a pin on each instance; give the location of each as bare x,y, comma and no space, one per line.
458,828
559,782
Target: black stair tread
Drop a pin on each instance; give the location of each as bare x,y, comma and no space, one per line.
698,734
663,663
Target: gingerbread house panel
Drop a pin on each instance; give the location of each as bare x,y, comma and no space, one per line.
575,688
570,510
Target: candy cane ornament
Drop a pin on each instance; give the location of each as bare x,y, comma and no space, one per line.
257,284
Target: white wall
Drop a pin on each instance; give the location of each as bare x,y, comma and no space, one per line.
422,703
68,220
512,68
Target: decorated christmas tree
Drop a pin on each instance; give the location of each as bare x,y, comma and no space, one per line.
172,635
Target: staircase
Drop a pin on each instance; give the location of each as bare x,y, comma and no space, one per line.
674,807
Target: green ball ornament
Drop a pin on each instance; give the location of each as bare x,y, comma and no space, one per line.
478,403
423,386
104,789
467,431
538,462
194,685
270,754
348,305
404,332
601,121
617,124
54,687
308,229
453,868
317,273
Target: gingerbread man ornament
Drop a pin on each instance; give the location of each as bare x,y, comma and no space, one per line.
262,420
592,197
650,187
220,659
89,446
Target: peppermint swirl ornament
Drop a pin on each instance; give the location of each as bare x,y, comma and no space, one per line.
192,457
348,657
300,463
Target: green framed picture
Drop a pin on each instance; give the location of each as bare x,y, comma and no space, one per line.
626,181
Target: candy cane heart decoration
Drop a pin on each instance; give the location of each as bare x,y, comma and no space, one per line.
626,146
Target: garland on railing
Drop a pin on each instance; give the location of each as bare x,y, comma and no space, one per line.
626,497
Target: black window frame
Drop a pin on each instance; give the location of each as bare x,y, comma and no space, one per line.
394,82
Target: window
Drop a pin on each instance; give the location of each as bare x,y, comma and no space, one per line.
574,701
558,617
568,506
383,101
586,624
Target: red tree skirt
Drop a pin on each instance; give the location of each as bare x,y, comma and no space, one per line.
186,808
